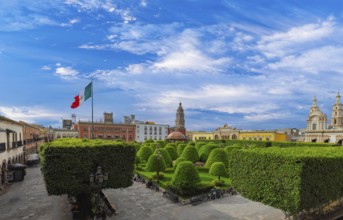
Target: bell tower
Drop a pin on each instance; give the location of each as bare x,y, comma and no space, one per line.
180,118
337,110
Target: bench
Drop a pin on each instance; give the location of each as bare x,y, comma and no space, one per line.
171,195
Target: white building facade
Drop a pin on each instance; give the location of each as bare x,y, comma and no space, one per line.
11,146
150,130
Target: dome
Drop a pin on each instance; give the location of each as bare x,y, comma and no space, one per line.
177,136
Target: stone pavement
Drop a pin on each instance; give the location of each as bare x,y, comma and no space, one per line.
28,199
138,202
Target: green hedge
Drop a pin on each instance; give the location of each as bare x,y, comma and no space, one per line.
217,155
166,156
190,153
291,179
172,152
67,164
144,153
155,164
180,148
205,151
186,175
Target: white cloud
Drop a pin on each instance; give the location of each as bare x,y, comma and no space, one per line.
108,6
29,114
264,117
315,61
46,68
143,3
188,55
283,43
67,73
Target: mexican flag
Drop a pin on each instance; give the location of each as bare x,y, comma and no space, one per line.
83,96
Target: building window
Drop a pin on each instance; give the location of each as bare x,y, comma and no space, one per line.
314,126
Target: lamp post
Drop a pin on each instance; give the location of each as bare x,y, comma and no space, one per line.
97,181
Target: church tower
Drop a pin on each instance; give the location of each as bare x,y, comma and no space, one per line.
316,120
180,118
337,110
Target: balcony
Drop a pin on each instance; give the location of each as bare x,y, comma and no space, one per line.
14,144
19,143
2,147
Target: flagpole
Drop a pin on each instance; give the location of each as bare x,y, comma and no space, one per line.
92,112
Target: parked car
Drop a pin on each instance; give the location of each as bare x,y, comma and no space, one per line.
32,159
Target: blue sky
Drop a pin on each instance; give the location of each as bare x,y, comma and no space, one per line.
250,64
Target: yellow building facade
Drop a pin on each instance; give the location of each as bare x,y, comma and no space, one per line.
202,135
262,136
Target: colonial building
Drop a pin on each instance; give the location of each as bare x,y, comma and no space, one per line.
64,133
150,130
32,137
106,130
11,146
226,133
202,135
257,135
318,129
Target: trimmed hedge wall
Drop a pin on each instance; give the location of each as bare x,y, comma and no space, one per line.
67,164
262,144
291,179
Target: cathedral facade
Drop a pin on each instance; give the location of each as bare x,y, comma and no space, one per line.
319,130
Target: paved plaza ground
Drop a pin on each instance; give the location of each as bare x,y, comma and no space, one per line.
29,200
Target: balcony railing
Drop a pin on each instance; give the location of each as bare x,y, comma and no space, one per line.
19,143
2,147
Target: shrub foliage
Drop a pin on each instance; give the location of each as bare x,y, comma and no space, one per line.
217,155
144,153
190,153
218,169
205,151
171,151
155,164
165,156
291,179
186,175
67,164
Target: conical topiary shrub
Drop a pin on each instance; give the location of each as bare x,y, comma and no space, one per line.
144,153
190,153
178,160
186,175
205,151
180,148
165,156
198,145
217,155
172,152
155,164
218,169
